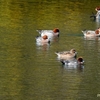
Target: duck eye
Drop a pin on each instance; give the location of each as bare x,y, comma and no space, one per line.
74,51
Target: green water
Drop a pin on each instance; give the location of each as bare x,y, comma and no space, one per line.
31,72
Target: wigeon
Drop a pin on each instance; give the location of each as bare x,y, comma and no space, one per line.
67,55
97,15
98,12
75,62
90,33
49,33
41,40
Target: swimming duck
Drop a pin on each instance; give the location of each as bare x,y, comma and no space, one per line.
41,40
49,33
90,33
67,55
75,62
98,12
97,15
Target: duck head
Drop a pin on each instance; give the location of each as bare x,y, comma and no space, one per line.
56,30
73,51
45,37
97,8
97,31
80,60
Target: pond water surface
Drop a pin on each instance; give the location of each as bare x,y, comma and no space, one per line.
31,72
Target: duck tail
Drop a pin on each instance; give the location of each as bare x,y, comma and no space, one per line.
36,37
56,53
49,41
39,31
93,16
84,31
63,63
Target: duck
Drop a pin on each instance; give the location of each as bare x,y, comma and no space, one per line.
66,55
75,62
97,15
41,40
49,33
91,33
98,12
